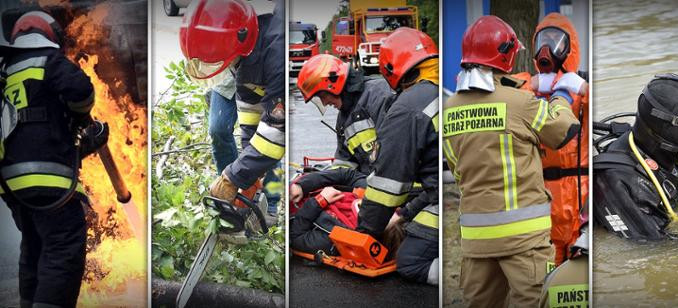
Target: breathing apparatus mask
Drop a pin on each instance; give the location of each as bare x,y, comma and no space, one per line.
552,45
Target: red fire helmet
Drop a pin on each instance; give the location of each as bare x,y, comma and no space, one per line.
322,73
404,49
491,42
213,33
36,29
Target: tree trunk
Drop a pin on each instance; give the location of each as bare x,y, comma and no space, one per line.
523,16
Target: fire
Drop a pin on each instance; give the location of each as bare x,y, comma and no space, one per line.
116,261
119,253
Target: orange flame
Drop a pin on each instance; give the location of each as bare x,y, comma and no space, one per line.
116,272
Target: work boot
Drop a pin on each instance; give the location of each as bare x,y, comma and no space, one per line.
222,188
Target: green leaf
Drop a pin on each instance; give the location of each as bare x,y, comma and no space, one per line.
270,256
225,224
166,265
213,227
243,284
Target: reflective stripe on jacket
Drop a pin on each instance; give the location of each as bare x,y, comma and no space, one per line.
356,128
492,142
407,151
49,92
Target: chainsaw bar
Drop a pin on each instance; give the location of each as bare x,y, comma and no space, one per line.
235,216
197,268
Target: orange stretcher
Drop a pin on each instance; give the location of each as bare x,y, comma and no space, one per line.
358,253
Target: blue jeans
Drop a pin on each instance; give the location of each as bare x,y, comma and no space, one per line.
222,117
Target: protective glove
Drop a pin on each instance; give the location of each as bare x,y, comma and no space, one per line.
572,83
541,83
94,137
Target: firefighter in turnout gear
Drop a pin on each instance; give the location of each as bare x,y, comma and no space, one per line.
362,101
221,35
407,151
492,131
53,98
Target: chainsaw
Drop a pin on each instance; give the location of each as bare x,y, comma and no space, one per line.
247,222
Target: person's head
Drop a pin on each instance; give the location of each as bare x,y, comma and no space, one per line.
656,127
401,53
490,42
322,79
214,34
36,29
556,45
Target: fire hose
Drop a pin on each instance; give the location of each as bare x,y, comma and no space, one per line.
123,194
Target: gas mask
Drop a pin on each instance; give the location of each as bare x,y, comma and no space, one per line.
552,47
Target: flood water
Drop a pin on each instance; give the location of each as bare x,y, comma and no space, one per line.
632,41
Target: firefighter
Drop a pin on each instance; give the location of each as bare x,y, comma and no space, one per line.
635,175
568,284
407,151
219,35
492,131
556,57
361,101
53,97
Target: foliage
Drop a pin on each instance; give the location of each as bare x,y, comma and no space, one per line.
428,10
180,222
329,30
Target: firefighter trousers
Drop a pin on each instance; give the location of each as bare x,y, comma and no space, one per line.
417,259
52,260
515,279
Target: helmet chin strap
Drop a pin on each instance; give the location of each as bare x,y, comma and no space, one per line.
475,77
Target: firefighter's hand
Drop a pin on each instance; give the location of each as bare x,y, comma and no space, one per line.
296,193
572,83
331,194
93,137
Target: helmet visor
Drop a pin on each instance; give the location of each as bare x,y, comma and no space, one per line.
203,70
206,82
557,41
318,104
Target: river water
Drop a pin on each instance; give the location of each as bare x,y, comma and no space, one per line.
632,41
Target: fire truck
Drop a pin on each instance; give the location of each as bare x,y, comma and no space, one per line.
303,40
357,37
